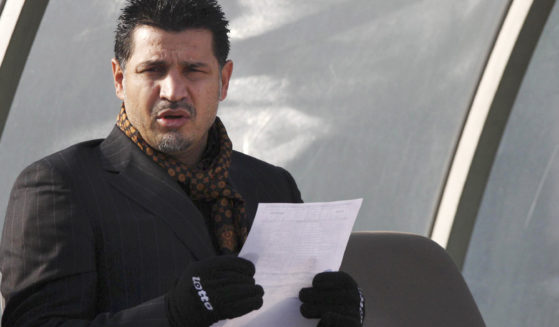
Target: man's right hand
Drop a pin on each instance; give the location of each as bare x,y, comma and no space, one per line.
214,289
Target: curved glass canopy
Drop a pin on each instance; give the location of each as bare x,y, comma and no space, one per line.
356,98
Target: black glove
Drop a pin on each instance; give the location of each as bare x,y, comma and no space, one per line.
334,298
218,288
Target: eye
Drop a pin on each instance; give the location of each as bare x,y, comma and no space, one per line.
152,69
193,70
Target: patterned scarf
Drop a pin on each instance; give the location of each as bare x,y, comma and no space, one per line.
206,182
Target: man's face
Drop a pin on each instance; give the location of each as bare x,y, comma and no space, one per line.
171,88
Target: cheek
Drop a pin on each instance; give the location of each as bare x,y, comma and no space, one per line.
140,100
208,90
139,89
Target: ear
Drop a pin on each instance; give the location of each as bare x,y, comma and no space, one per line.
226,72
118,77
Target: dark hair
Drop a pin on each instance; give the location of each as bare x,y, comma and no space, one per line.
172,15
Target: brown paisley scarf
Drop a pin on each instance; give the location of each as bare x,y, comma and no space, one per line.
206,182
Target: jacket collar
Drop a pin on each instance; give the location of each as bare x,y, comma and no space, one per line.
135,175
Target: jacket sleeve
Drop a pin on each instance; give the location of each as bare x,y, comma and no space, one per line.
47,259
292,186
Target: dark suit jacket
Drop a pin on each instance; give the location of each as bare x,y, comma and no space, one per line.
97,233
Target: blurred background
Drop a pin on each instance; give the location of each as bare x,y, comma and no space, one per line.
356,98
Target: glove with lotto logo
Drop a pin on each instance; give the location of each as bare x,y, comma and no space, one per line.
335,299
214,289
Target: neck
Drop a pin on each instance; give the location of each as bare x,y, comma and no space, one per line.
192,156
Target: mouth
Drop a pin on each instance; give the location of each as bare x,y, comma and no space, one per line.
173,118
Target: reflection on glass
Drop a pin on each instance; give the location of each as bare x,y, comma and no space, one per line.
511,265
357,98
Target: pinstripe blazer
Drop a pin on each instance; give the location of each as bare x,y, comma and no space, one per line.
96,234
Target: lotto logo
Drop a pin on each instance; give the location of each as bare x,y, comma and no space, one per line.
201,293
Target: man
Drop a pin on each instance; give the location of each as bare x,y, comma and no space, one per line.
142,228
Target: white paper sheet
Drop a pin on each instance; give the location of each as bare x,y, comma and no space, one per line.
289,244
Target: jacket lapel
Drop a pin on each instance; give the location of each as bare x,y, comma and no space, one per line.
138,177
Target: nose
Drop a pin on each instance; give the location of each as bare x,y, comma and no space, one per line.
173,87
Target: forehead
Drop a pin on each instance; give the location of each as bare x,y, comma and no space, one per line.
152,42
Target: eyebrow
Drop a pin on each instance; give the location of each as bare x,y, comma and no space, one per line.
148,63
188,64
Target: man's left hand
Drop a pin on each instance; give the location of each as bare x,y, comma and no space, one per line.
335,299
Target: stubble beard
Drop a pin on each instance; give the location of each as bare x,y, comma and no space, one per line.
172,142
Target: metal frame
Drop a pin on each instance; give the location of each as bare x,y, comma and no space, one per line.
2,3
484,127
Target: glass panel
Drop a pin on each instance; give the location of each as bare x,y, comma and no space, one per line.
65,94
511,265
357,98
